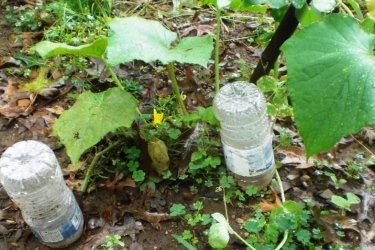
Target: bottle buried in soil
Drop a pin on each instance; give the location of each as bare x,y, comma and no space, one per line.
245,133
32,177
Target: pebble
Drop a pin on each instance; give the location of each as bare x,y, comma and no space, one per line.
49,93
326,194
232,45
292,176
240,221
305,177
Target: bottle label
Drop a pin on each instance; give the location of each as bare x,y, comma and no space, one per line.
249,162
63,232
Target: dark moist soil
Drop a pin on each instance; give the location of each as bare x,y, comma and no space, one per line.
115,205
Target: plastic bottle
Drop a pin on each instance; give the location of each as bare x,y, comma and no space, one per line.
32,177
245,133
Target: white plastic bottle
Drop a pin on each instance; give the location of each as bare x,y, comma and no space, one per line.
245,133
32,177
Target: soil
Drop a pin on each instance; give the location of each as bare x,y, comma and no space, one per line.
117,205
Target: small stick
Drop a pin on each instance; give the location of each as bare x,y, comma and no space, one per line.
360,143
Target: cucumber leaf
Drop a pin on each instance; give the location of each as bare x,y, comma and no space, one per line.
47,49
331,79
92,117
150,41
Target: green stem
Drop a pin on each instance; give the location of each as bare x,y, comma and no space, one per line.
172,77
231,229
225,205
93,163
286,233
346,9
243,240
113,74
217,47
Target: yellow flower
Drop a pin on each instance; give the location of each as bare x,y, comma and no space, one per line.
158,117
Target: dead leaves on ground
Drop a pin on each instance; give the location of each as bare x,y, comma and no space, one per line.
129,228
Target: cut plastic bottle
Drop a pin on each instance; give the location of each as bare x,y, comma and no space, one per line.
32,177
245,133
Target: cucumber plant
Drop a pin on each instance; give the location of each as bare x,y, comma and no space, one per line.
115,108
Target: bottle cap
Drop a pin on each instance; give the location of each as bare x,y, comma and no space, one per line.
25,166
239,103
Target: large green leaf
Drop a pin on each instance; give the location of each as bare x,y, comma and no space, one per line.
135,38
92,117
47,49
331,78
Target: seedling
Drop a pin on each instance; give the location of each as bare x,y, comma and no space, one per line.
345,203
112,241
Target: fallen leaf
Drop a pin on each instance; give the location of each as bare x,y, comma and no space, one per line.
153,218
295,156
368,134
330,222
266,206
201,29
74,184
74,168
130,227
57,110
23,103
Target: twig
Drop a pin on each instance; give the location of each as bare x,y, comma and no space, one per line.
93,163
360,143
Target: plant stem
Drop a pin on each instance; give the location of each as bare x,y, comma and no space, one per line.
93,163
217,46
113,74
347,10
286,233
243,240
172,77
231,229
280,186
225,205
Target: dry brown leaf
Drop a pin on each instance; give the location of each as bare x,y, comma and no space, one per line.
130,228
153,218
11,96
23,103
73,168
266,206
201,30
57,110
296,156
74,184
119,183
368,134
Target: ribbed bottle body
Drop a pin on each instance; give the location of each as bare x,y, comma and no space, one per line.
32,177
245,133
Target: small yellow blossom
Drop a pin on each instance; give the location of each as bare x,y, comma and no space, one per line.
158,117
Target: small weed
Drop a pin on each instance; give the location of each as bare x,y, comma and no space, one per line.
345,203
112,241
276,93
177,210
132,86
